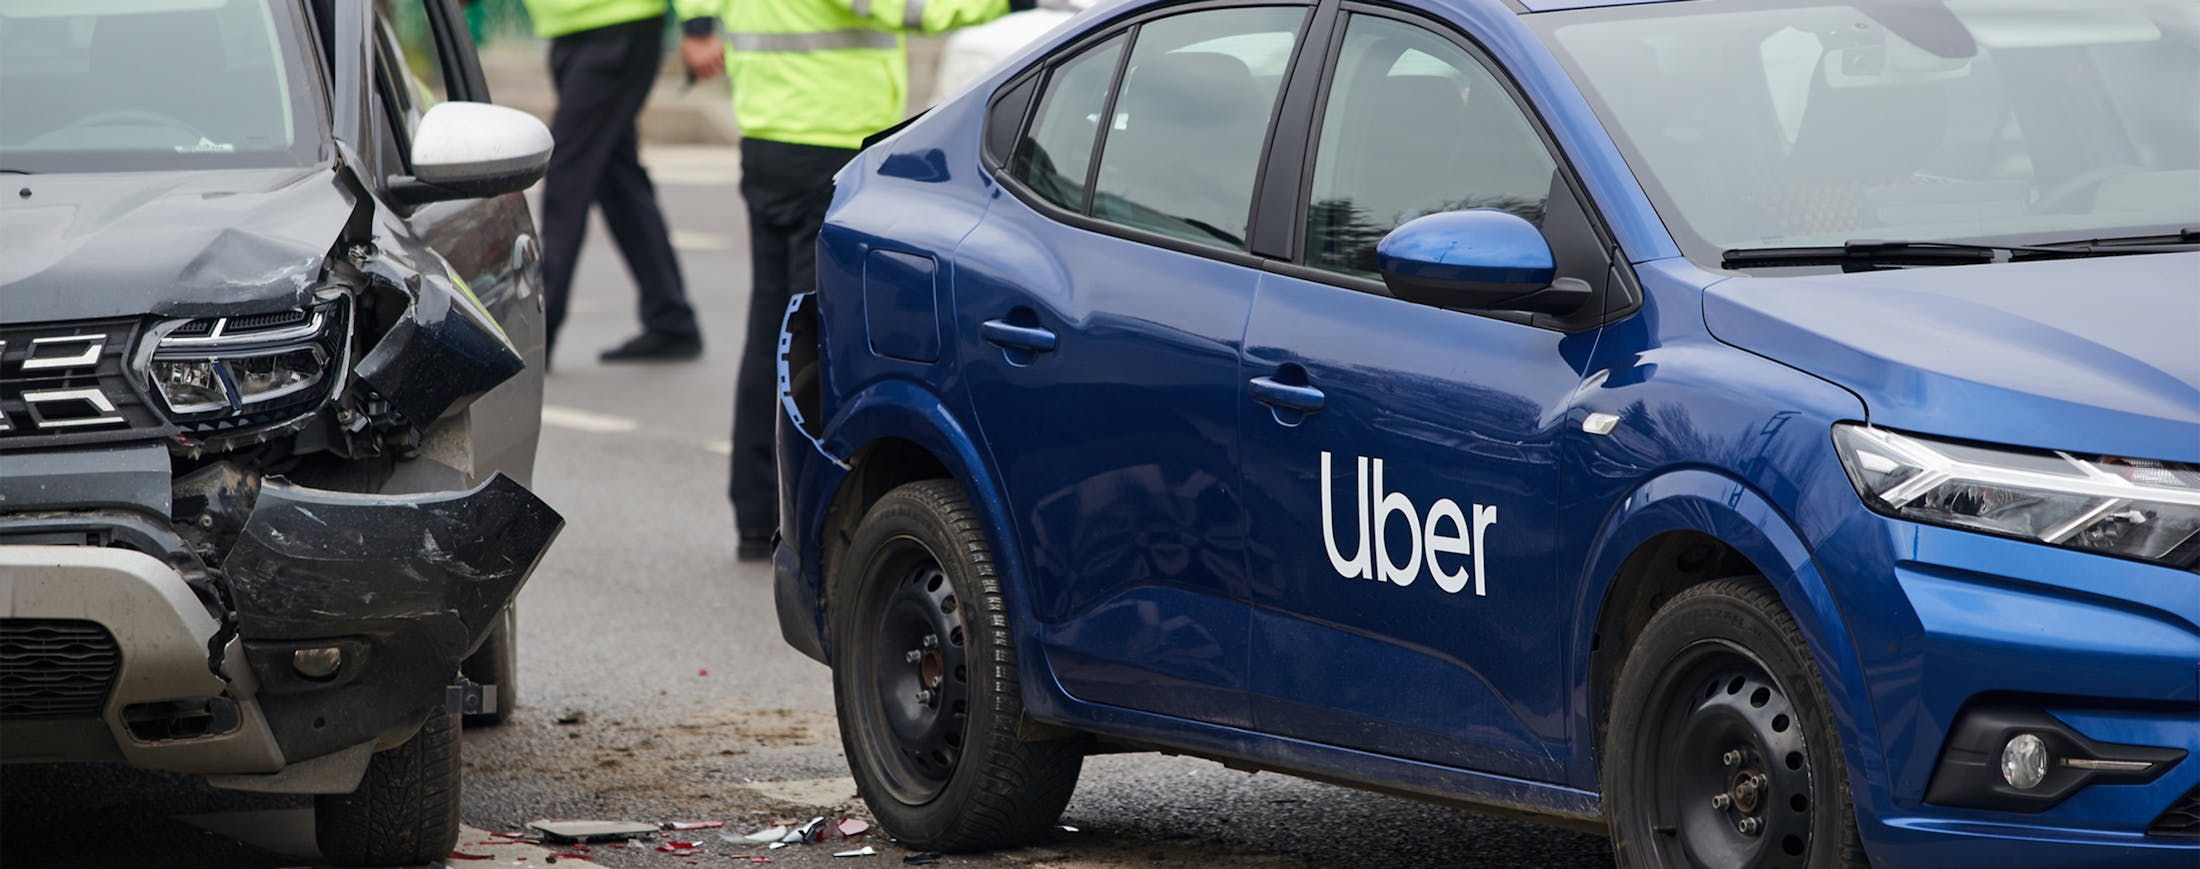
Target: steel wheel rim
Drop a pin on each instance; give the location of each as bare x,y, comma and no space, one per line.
919,683
1728,771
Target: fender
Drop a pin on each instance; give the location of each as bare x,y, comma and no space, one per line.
910,411
1702,500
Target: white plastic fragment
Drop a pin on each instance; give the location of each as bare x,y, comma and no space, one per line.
768,834
865,851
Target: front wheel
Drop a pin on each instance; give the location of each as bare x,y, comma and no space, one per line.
405,811
1721,749
925,682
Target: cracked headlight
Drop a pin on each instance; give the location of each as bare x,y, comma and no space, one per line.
220,368
2134,508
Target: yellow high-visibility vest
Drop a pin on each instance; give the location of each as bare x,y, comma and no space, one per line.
826,72
560,17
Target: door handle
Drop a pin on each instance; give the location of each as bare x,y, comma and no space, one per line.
1285,396
1007,335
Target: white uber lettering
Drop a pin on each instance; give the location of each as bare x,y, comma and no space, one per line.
1453,544
1385,506
1447,529
1355,567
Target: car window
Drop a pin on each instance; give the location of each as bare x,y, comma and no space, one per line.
1056,153
155,84
1414,125
1184,143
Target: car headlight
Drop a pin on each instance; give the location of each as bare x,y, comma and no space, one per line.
224,368
2134,508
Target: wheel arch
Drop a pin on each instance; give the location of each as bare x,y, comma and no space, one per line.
1691,526
896,432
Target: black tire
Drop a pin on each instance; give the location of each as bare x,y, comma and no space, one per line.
1721,750
944,771
497,663
405,811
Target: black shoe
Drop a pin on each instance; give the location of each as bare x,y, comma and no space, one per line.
654,346
753,549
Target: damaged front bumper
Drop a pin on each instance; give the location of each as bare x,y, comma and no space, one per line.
345,619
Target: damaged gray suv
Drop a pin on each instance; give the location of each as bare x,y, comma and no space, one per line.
270,346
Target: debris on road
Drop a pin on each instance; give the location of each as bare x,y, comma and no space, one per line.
691,825
865,851
574,716
850,828
461,855
922,858
591,831
776,833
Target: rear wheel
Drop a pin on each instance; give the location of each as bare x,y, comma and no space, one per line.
405,811
925,682
1721,749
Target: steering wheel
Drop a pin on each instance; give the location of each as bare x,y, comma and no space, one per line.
2060,197
112,117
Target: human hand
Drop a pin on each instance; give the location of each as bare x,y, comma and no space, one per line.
705,56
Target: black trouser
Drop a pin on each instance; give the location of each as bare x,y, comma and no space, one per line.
787,188
603,76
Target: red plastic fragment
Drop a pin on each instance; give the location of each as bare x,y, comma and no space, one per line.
703,672
461,855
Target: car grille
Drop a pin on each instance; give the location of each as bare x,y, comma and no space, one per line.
55,668
2182,820
70,383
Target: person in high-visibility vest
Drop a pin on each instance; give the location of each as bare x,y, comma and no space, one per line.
811,80
604,56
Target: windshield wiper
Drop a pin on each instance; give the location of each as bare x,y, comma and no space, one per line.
1869,254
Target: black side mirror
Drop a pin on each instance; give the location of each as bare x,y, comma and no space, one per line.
1484,259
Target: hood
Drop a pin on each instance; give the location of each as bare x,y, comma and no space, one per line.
177,244
2096,355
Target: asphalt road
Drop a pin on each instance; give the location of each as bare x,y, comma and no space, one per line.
642,627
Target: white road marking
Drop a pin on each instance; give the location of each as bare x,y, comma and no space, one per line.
686,239
582,420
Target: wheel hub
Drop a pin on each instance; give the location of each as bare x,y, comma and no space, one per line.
920,679
1734,784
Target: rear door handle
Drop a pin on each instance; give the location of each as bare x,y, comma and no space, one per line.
1003,333
1277,394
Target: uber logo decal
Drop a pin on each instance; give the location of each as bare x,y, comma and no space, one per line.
1428,534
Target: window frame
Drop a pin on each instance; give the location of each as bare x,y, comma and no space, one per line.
1284,178
998,163
1612,302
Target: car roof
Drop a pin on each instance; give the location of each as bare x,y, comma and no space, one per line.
1555,5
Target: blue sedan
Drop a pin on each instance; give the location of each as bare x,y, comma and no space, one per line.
1767,433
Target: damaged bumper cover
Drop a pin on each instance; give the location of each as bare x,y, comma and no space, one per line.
351,614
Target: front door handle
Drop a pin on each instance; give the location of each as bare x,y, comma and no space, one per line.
1007,335
1285,396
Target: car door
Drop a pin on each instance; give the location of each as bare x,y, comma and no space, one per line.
488,243
1100,305
1400,460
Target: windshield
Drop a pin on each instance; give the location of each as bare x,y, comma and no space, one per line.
1816,123
117,85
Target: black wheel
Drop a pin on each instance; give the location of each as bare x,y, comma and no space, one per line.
497,663
1721,749
925,683
405,811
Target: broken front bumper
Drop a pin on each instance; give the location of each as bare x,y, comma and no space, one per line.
347,618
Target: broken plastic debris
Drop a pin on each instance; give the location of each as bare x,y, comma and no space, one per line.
922,858
768,834
776,846
814,831
691,825
1068,829
849,828
586,831
574,716
703,672
865,851
461,855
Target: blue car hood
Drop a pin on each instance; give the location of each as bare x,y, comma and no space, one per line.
2094,355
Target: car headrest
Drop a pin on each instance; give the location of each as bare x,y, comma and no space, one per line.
1192,88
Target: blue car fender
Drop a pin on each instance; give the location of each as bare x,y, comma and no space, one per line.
1726,508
